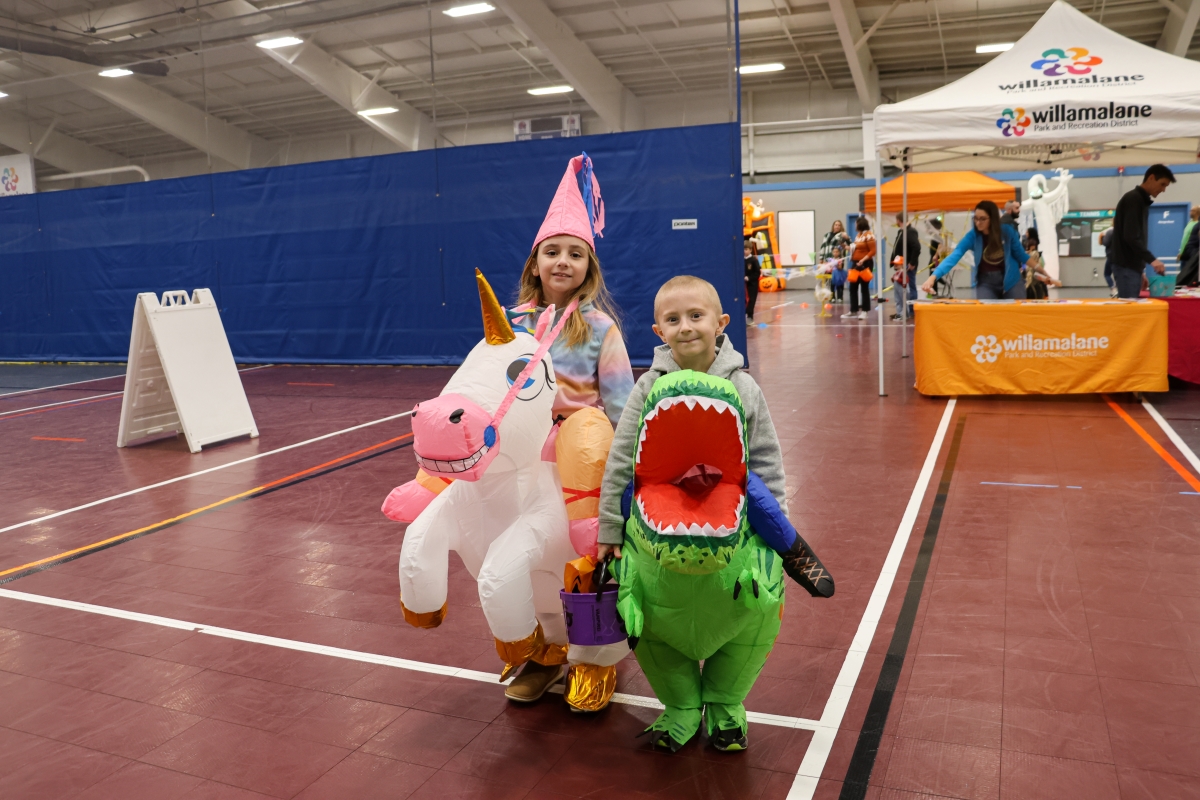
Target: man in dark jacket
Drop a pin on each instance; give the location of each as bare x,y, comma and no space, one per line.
1129,252
912,254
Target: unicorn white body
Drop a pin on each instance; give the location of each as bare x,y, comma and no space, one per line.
507,520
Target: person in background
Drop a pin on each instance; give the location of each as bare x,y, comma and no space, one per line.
1012,212
908,244
753,273
835,238
1106,240
1189,257
862,261
1130,254
1037,280
837,283
996,274
1193,215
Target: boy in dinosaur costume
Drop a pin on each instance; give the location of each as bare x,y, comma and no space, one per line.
703,524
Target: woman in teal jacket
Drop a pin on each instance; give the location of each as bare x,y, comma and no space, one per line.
999,257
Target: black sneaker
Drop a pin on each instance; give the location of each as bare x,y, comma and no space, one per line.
728,741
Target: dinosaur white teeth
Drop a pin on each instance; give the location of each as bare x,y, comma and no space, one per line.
695,530
690,402
705,402
708,529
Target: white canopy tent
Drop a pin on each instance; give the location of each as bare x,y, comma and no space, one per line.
1070,93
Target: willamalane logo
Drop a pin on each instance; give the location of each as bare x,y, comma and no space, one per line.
987,349
1069,66
1073,60
1064,116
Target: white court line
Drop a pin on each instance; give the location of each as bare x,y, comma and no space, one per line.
1173,436
141,489
61,385
60,403
351,655
815,757
84,399
782,305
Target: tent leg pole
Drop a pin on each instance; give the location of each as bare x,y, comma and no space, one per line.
880,259
904,238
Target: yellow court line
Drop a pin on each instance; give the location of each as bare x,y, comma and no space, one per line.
202,509
1154,445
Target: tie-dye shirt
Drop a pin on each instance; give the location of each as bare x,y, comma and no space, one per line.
596,373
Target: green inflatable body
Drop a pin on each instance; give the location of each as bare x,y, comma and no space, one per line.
696,584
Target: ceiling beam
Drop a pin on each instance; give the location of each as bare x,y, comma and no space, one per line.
616,106
406,127
862,67
1178,30
52,147
208,134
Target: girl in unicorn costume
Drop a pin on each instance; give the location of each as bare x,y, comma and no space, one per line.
512,454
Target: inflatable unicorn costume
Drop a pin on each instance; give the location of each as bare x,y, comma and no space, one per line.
491,484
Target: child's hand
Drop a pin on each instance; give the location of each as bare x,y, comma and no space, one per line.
602,551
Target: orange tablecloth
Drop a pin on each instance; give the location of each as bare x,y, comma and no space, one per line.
966,347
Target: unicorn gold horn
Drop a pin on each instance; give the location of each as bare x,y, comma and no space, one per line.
496,329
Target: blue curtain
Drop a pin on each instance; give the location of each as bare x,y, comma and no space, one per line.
367,260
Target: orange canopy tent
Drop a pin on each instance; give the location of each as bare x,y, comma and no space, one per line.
939,191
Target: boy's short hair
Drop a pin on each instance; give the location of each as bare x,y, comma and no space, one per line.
689,282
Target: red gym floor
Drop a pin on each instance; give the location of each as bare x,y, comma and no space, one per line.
236,634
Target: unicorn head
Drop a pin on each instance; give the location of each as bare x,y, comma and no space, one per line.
482,414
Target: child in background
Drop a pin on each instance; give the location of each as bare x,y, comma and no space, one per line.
837,266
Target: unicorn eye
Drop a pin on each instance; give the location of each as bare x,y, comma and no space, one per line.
514,372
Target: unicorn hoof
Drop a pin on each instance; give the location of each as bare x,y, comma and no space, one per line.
423,619
533,681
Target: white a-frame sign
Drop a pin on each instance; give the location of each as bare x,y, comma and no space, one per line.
181,374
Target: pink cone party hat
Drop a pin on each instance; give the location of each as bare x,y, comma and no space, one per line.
575,212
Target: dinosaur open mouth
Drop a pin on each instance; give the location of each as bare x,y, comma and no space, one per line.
690,467
434,465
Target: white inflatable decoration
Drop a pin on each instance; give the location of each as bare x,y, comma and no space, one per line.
1045,209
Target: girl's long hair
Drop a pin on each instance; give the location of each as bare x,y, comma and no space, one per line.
994,246
577,331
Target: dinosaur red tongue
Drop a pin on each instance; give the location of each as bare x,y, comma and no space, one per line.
699,480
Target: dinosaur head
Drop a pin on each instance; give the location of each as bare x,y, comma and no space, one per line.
690,473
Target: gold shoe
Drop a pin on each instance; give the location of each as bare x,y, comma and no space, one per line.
590,687
533,682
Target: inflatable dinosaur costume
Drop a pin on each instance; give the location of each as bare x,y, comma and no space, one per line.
696,583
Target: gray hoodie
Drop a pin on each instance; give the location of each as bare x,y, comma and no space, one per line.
766,459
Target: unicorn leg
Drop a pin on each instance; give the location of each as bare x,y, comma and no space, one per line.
425,561
515,608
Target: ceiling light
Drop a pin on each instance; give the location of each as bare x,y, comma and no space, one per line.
551,90
375,112
282,41
751,69
468,10
118,72
993,48
2,94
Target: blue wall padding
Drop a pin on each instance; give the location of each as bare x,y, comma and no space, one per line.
366,260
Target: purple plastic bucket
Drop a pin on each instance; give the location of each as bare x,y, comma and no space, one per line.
592,618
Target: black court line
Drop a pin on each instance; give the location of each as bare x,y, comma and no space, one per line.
858,774
170,524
